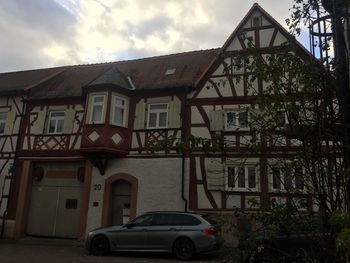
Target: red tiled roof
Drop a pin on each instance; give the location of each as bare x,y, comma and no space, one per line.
146,74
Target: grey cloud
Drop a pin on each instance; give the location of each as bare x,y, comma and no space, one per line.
43,15
155,26
27,27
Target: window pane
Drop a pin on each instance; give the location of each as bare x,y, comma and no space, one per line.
280,119
52,125
57,114
152,120
2,127
256,21
288,182
251,177
158,106
276,178
59,126
98,99
143,220
97,113
243,119
230,176
299,179
162,119
3,116
184,220
118,116
230,120
119,101
241,177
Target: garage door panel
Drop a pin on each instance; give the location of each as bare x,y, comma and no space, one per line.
42,211
68,212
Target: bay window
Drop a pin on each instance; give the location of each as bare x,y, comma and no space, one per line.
119,111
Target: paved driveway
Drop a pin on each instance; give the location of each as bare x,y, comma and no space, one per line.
56,251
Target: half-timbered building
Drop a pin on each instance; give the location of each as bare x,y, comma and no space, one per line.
81,141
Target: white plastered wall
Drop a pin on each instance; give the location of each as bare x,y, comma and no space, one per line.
159,185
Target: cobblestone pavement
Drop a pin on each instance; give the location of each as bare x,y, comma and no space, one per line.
53,251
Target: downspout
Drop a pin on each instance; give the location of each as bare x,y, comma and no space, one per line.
183,139
183,182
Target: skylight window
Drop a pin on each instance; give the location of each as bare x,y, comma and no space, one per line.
170,71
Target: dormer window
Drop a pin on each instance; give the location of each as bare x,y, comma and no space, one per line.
97,112
120,109
56,121
3,117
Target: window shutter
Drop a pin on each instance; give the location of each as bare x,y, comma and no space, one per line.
10,122
216,120
38,127
140,115
68,121
174,113
215,176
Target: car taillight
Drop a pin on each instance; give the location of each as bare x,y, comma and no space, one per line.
209,230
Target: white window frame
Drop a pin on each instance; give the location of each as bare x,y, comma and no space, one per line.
246,187
94,104
56,119
238,124
283,181
158,112
3,121
124,107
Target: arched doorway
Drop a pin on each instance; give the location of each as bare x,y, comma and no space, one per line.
120,202
120,198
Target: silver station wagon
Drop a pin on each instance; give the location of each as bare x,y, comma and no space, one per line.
181,233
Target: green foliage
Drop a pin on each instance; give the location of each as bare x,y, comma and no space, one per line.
190,144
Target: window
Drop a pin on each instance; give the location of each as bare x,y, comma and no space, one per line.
157,115
119,114
175,219
256,21
242,177
56,120
97,109
281,180
236,120
144,220
281,119
3,117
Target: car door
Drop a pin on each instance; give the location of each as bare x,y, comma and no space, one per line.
132,236
163,231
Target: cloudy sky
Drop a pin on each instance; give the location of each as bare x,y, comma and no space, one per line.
47,33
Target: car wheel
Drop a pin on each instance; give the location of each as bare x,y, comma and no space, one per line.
184,249
99,245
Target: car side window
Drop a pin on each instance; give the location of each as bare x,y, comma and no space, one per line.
145,220
175,219
186,220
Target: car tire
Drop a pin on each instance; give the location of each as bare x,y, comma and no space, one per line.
184,249
99,245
